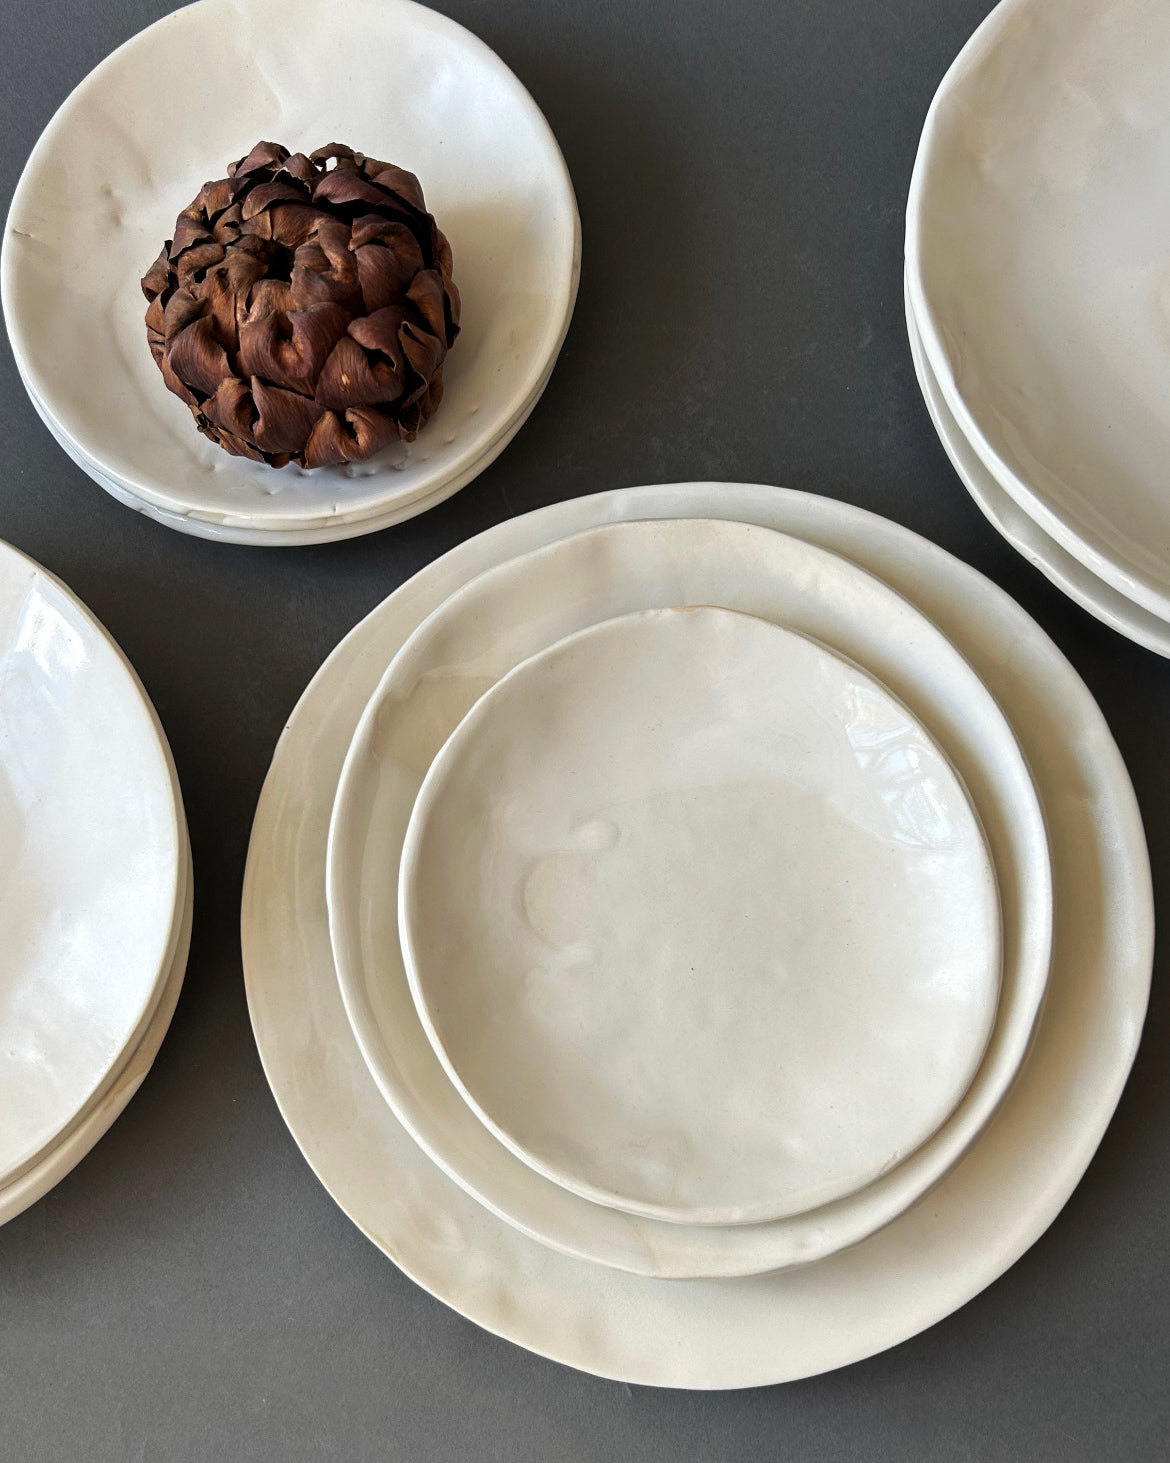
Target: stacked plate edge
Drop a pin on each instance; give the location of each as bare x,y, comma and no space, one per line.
1035,254
96,909
491,171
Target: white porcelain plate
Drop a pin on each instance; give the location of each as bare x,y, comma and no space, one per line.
1038,262
517,609
699,919
166,112
91,860
988,1209
1021,531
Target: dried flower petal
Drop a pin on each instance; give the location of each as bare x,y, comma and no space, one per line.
304,307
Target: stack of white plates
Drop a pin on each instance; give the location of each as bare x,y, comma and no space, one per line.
1038,293
95,882
168,111
699,932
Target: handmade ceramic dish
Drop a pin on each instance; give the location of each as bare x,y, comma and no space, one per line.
167,111
516,609
92,841
51,1167
265,537
1038,253
1005,515
699,919
987,1210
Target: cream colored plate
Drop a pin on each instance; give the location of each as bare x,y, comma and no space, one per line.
987,1210
514,610
699,919
139,136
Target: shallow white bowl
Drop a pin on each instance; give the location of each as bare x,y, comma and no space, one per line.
1024,533
1038,264
167,111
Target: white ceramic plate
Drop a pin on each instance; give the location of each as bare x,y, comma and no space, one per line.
699,919
137,139
1006,516
267,537
514,610
1038,262
988,1209
125,1081
91,860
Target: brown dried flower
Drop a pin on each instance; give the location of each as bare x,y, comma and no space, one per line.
303,312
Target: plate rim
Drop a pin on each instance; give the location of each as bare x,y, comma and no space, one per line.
1077,539
1067,573
598,1348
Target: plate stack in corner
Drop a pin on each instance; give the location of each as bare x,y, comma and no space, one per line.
105,185
699,932
95,882
1037,261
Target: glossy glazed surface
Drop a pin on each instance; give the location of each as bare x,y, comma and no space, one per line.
1038,255
1004,513
91,860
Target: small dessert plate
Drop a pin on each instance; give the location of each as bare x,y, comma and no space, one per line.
165,113
985,1211
1024,533
520,607
699,919
1038,263
92,861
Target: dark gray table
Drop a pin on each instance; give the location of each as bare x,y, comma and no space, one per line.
190,1292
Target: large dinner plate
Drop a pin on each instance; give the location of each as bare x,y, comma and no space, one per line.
980,1218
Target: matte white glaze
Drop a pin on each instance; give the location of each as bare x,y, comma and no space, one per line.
1038,261
699,919
137,139
91,860
978,1220
516,609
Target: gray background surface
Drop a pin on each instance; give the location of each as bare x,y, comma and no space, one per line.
189,1291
